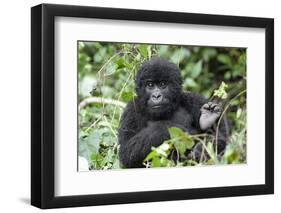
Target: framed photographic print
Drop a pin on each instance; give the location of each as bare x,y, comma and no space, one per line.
140,106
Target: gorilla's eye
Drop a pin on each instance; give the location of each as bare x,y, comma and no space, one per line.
162,84
149,84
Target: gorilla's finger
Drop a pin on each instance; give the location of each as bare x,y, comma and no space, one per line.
213,106
205,106
217,109
210,103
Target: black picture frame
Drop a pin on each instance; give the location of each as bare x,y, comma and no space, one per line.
43,102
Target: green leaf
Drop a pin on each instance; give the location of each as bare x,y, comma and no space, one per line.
150,156
162,150
221,93
238,113
179,55
181,136
196,69
120,63
211,152
108,139
89,145
209,53
189,83
231,155
145,50
181,140
128,96
110,69
166,162
116,164
163,50
156,162
100,55
97,160
225,59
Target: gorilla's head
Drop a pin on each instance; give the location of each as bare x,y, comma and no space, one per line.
158,87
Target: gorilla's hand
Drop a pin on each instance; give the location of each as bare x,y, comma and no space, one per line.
209,114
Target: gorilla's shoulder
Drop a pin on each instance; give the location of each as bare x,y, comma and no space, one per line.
192,99
132,108
131,118
131,105
192,95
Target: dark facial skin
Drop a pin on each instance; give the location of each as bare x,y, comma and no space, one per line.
157,95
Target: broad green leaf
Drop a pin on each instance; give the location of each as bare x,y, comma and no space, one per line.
196,69
179,55
100,55
189,83
225,59
151,155
97,160
238,113
209,53
89,145
181,140
120,63
156,162
81,45
181,136
110,69
166,162
162,150
86,86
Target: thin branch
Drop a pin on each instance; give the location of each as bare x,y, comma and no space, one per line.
120,94
110,127
221,117
93,124
101,100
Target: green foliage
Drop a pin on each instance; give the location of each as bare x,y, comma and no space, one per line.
221,93
179,142
107,71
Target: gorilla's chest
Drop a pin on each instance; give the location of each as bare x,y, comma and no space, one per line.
182,117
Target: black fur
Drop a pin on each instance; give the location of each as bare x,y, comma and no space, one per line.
140,130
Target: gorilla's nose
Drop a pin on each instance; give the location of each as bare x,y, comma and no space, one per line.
157,97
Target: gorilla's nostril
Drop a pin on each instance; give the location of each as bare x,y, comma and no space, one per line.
157,97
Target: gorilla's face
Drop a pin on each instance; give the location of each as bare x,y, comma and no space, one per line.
158,96
158,86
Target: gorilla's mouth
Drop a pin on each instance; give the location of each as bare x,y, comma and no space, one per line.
156,106
159,107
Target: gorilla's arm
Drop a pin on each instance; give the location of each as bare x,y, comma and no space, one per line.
134,150
193,102
136,137
203,121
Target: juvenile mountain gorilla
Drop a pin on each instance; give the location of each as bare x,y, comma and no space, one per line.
161,104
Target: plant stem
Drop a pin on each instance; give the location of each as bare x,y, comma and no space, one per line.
222,114
101,100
